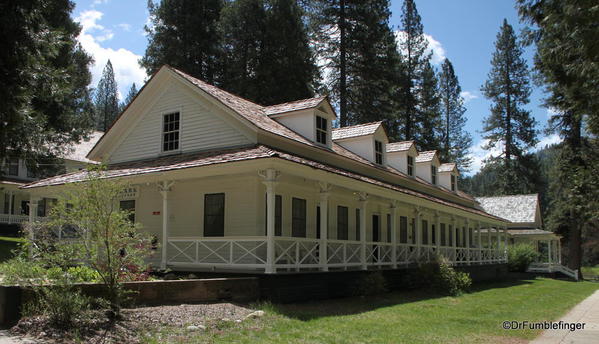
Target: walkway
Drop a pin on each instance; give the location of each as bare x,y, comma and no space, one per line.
586,312
6,338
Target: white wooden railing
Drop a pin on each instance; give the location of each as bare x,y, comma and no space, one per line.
13,219
295,254
553,267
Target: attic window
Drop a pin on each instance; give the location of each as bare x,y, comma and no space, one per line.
410,165
434,174
170,132
378,152
453,183
321,130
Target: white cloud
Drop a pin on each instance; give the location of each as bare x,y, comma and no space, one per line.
468,96
478,154
124,62
124,26
548,141
551,111
99,2
434,46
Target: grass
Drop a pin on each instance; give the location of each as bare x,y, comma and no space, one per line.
590,272
402,317
7,244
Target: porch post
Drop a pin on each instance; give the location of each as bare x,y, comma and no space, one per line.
164,188
489,246
498,242
33,203
270,180
417,213
505,236
393,218
437,231
363,202
325,189
480,242
549,260
559,251
10,207
454,239
467,222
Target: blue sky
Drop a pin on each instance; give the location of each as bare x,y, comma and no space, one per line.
462,30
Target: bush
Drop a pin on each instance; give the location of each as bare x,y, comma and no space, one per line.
439,276
520,256
368,284
61,304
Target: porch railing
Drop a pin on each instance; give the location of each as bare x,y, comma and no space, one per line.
13,219
301,254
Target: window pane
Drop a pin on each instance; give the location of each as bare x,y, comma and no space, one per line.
214,214
357,224
298,221
443,236
342,226
403,229
424,232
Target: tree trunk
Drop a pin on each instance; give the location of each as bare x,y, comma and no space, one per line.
343,120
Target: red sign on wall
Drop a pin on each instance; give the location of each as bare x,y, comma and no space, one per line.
155,213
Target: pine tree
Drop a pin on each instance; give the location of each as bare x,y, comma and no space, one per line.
565,34
129,98
44,99
412,46
360,57
184,34
428,115
267,54
510,127
455,140
106,99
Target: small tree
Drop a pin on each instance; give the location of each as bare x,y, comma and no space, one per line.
105,238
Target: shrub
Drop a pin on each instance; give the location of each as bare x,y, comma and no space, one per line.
368,284
60,303
439,276
520,256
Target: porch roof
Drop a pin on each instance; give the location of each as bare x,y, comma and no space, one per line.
192,160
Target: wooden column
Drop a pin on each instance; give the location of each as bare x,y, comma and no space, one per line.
505,242
33,204
393,218
363,198
467,239
480,241
10,205
559,251
455,239
437,231
549,260
164,188
417,214
270,181
325,189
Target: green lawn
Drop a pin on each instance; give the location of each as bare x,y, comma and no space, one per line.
7,244
402,317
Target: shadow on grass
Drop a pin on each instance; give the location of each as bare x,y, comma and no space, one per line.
310,310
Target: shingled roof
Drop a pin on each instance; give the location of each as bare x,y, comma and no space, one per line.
516,208
426,156
293,106
78,151
446,167
356,130
399,146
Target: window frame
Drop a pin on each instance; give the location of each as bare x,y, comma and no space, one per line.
410,165
300,221
320,132
453,182
164,133
9,164
278,215
379,158
342,226
433,174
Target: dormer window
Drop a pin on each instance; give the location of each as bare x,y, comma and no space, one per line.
12,167
410,165
453,184
434,174
378,152
321,130
170,132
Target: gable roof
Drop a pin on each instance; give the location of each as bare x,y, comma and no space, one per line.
447,167
294,106
516,208
399,146
426,156
355,130
78,151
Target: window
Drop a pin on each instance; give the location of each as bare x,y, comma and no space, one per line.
378,152
388,227
470,239
30,172
129,206
434,174
450,228
214,214
321,130
453,188
424,231
403,229
410,165
433,235
342,223
12,167
170,132
443,237
278,216
298,217
357,224
413,230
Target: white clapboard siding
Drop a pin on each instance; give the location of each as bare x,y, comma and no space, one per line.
201,129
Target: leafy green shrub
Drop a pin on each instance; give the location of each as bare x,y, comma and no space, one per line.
62,304
520,256
440,276
368,284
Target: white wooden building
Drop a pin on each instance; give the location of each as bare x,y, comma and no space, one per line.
228,185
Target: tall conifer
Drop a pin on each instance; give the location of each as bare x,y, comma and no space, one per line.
106,99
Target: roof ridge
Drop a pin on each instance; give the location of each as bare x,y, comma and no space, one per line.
358,125
294,101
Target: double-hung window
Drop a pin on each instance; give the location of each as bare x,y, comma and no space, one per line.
321,130
214,215
342,223
378,152
170,132
12,167
453,183
298,217
434,174
410,165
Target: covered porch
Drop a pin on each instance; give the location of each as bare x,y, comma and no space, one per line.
278,216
